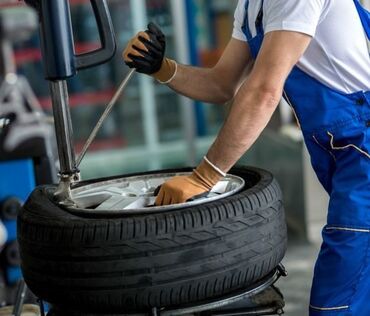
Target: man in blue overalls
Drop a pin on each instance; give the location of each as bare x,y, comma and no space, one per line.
315,54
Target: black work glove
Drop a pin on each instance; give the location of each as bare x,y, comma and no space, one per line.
146,50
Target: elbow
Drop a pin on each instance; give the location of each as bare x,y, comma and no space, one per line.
268,96
227,92
224,90
226,95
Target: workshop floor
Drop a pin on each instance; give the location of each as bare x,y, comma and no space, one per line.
299,263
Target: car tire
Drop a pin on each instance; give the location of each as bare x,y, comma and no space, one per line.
113,263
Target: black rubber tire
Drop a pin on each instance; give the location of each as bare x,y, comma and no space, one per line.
110,264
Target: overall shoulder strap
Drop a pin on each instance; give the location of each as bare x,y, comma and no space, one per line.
259,20
364,16
245,28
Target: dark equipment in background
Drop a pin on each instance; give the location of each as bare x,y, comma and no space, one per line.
27,146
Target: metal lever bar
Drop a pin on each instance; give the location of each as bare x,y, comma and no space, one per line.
21,295
63,127
106,113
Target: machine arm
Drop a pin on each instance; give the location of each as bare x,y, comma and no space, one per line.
60,63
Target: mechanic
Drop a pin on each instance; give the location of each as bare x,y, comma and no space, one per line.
314,54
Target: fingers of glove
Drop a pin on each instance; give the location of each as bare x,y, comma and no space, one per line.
167,200
143,54
143,35
142,58
179,199
159,41
164,198
127,51
139,45
169,192
127,60
135,53
151,44
143,61
135,41
159,198
153,28
155,54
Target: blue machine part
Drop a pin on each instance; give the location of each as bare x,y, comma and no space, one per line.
13,274
17,180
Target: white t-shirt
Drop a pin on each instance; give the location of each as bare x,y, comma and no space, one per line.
338,55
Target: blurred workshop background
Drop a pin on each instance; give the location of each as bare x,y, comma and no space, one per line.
151,127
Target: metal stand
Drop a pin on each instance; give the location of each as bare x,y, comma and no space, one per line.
64,133
253,301
21,295
42,309
263,298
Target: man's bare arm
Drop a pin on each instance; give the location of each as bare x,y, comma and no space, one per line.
220,83
259,96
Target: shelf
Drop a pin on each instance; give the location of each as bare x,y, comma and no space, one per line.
99,98
11,4
90,98
17,3
27,55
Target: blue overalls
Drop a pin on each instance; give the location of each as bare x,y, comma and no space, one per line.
336,129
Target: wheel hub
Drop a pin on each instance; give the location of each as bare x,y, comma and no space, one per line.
137,193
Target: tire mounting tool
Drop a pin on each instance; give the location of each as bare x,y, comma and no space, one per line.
105,114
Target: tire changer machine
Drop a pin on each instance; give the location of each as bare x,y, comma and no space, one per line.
61,63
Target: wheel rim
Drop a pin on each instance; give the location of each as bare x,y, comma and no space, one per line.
136,194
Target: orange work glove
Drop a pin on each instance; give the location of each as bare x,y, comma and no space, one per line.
146,53
181,189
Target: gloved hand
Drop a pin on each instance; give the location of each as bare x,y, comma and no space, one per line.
146,53
181,189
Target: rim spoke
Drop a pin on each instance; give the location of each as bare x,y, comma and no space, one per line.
117,203
140,203
91,199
